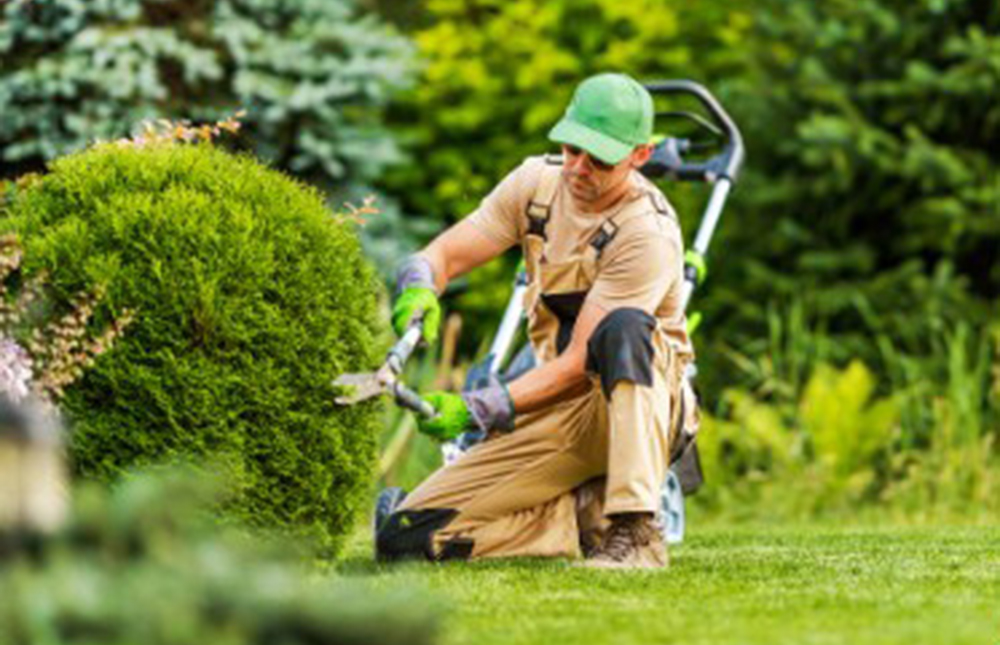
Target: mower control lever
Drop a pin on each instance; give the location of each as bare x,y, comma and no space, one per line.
667,160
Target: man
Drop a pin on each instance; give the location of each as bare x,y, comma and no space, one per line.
580,444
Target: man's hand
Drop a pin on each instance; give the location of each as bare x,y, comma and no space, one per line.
453,417
411,301
488,408
424,275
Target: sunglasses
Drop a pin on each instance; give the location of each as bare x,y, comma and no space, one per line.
594,161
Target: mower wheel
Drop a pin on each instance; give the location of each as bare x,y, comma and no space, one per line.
672,509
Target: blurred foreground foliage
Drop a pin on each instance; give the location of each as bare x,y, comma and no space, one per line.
145,563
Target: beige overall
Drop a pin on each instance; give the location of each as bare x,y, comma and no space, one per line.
513,495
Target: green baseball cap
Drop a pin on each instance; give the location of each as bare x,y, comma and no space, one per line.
610,114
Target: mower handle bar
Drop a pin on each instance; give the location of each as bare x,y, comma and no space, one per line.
667,155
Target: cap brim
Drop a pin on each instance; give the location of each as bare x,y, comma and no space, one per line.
597,144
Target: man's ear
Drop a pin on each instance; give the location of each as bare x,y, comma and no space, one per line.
640,155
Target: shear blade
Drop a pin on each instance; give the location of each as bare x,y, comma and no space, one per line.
361,388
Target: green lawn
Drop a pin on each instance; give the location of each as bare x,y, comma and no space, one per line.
796,585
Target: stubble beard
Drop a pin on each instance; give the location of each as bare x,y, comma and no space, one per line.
584,191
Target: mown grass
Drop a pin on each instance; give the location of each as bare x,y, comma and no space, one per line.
744,585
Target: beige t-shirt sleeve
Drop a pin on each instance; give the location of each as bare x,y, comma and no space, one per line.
638,272
500,214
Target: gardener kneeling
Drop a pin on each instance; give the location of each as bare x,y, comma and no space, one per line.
579,445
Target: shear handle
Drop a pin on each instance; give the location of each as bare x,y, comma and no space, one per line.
412,401
403,349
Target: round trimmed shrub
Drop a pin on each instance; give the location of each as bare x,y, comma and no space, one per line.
249,296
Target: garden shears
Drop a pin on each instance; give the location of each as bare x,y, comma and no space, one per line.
368,385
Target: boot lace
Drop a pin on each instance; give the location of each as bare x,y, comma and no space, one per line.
625,536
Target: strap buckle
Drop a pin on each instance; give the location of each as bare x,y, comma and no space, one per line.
603,237
538,218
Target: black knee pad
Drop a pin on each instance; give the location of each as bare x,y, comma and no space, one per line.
621,348
409,534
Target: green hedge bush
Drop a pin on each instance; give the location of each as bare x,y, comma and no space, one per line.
249,295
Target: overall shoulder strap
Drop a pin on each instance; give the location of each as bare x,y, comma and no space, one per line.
539,208
660,204
656,199
641,206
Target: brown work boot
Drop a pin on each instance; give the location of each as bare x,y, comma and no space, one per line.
590,520
633,541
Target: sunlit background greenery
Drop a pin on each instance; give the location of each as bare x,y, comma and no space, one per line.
850,354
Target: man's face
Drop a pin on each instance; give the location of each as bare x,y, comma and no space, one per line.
589,179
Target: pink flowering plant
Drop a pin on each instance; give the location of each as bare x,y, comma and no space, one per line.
42,358
167,131
41,355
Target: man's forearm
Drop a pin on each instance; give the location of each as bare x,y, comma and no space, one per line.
561,379
458,250
436,254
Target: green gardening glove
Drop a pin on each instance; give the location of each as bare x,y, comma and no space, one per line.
453,417
411,301
694,321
